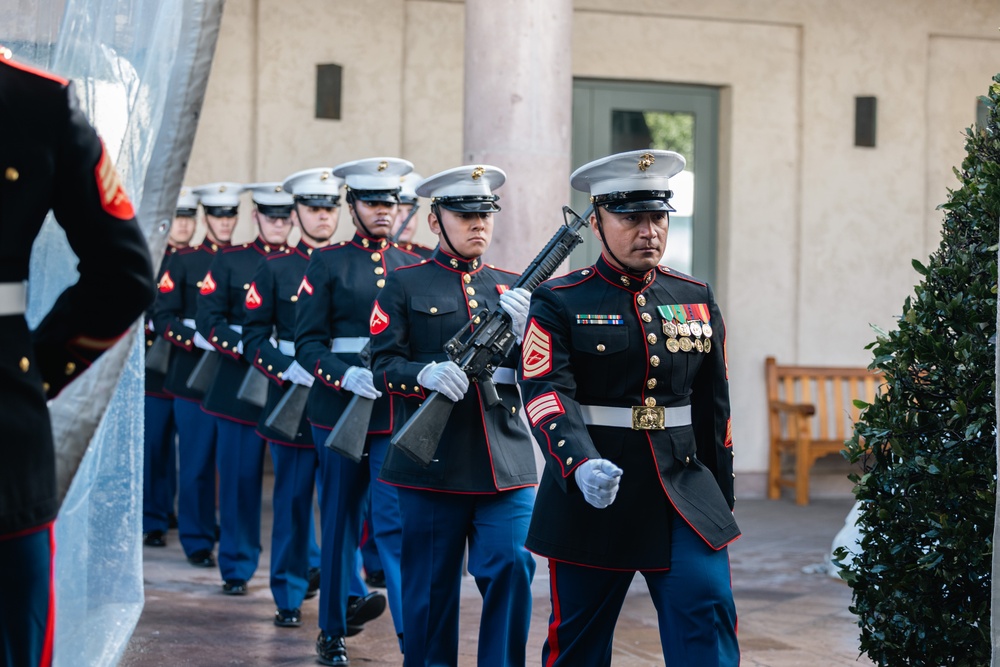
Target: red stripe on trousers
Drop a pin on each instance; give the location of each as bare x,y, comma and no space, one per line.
50,621
556,618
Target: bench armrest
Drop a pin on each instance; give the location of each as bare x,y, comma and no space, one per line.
806,409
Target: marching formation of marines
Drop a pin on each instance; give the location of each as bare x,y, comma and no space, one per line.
326,354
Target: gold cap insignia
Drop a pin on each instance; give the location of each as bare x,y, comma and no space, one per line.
277,188
383,165
477,173
646,161
325,175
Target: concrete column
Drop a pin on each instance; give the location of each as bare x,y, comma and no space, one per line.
518,116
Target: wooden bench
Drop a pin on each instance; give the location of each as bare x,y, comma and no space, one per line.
811,413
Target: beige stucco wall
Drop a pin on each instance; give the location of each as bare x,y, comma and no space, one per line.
815,235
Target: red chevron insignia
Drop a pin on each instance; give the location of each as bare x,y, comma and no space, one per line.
536,351
379,320
304,286
207,284
253,299
166,283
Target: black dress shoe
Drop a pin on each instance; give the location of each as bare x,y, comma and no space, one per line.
235,587
375,579
155,538
313,583
331,650
202,558
288,618
360,610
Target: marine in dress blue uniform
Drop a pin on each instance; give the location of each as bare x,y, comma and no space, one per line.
624,376
269,345
408,199
479,489
52,159
159,487
335,300
174,318
239,459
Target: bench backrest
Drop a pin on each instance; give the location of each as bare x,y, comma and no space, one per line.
831,390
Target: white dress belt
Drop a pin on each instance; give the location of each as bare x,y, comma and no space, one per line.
602,415
348,345
188,322
286,347
504,376
13,298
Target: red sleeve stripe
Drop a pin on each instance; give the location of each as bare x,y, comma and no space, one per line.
543,406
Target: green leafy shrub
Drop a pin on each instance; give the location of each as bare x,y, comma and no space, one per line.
927,445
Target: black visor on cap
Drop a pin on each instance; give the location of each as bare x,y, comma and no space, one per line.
477,204
406,199
275,210
635,201
319,201
185,213
221,211
388,196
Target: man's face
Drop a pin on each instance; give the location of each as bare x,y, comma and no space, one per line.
377,216
317,223
469,233
411,226
220,230
638,240
181,231
274,231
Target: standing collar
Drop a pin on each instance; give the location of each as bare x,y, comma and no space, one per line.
623,280
264,247
449,261
369,242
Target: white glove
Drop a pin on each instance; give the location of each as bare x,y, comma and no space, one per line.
239,348
446,378
200,342
516,302
598,480
361,382
298,375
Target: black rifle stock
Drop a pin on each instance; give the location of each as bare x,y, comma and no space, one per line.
253,388
287,414
158,355
348,435
479,353
204,371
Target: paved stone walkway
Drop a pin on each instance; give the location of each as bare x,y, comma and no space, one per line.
790,615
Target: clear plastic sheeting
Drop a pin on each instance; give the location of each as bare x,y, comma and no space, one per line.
99,595
130,62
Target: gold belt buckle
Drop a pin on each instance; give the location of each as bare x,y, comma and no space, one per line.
648,418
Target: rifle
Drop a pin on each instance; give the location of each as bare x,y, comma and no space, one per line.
348,436
481,353
158,355
409,216
253,388
287,414
204,372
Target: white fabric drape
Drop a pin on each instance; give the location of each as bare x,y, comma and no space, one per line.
140,70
